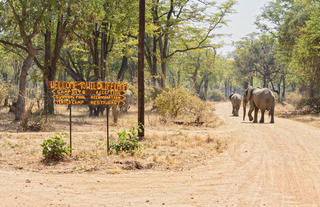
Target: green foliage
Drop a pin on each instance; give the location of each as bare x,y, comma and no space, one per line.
255,57
127,141
178,102
295,25
216,95
54,148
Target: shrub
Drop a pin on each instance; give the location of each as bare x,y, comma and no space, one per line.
197,108
172,103
3,90
294,98
54,148
151,93
178,102
310,104
127,142
216,95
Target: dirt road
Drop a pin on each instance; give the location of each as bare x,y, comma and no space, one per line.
264,165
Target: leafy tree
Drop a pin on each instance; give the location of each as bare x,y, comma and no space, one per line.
289,22
178,30
19,26
256,57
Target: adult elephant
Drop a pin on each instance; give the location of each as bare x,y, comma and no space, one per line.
260,99
236,103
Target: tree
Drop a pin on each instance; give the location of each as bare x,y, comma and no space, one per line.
59,23
257,57
27,16
177,32
306,52
286,20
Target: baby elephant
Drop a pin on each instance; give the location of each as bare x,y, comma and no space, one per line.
236,102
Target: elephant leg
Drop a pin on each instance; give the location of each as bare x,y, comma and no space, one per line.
237,110
250,112
255,120
272,115
262,116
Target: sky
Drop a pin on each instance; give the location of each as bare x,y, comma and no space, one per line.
241,23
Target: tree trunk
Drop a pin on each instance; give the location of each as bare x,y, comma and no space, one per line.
178,79
48,100
95,53
103,52
154,63
124,67
141,69
226,88
265,82
22,86
283,86
205,88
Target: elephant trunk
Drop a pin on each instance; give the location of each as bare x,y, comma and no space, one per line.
244,110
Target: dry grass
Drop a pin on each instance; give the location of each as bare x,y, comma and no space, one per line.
167,146
287,110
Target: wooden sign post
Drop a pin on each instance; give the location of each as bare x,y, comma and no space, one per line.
88,93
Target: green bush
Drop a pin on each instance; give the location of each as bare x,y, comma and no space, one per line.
216,95
54,148
127,142
178,102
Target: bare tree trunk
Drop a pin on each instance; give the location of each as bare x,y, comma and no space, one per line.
178,78
283,86
154,62
205,88
226,88
48,101
163,64
22,86
95,52
141,69
124,66
103,52
265,82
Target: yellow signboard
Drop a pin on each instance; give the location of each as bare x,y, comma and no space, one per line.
88,93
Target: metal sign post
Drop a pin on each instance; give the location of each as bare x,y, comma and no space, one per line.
70,121
108,144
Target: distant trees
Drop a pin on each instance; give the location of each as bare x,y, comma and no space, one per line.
256,57
295,25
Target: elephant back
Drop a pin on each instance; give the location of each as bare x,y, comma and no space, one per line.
263,98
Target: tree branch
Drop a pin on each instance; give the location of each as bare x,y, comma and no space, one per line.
13,45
